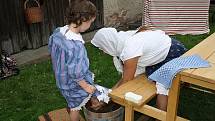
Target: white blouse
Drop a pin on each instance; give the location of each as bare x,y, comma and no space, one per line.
151,46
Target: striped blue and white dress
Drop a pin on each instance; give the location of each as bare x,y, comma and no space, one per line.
70,64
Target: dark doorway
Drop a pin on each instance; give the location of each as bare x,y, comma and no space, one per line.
99,22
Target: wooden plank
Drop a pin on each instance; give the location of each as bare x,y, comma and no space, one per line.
148,91
119,95
131,86
140,86
123,103
15,41
14,26
198,82
57,115
156,113
173,99
211,59
35,35
151,111
129,113
205,74
203,49
7,45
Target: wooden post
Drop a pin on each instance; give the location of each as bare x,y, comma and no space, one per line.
173,100
129,113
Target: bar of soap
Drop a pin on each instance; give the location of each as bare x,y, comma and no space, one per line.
130,96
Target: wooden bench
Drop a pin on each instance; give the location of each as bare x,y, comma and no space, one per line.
141,86
57,115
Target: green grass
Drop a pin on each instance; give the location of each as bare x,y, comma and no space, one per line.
33,92
29,94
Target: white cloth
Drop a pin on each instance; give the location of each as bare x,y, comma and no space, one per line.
161,89
151,46
103,93
118,64
110,41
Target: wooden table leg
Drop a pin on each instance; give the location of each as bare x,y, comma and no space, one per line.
129,113
173,99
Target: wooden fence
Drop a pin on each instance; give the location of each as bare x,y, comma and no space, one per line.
16,35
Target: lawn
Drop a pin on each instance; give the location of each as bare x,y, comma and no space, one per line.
33,92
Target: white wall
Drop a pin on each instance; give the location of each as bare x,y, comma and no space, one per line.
133,7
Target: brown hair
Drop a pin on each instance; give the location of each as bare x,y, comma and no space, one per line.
143,28
80,11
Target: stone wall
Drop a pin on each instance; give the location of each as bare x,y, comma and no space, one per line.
122,14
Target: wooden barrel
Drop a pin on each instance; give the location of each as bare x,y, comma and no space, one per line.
116,115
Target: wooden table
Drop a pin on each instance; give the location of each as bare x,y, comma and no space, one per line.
204,77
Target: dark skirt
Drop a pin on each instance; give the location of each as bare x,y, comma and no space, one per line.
176,49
